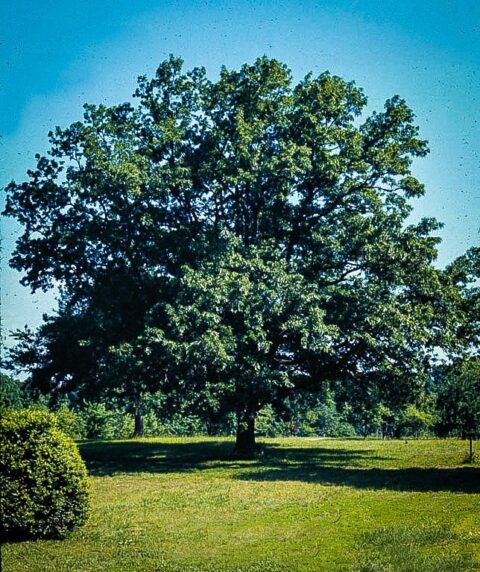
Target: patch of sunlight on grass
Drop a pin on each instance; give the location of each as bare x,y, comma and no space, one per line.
424,548
304,505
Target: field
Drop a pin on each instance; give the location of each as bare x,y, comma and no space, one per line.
173,504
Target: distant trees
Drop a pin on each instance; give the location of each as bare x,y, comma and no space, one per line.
10,393
459,402
234,242
417,421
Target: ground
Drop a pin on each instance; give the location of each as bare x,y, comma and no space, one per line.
175,505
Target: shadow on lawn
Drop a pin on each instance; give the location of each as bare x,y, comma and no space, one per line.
337,467
112,457
315,465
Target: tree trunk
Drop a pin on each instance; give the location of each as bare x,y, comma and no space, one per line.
245,440
138,429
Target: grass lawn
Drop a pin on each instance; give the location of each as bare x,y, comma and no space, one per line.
176,504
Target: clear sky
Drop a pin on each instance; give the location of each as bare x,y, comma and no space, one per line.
57,54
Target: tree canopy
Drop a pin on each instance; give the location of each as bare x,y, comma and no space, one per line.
459,399
237,239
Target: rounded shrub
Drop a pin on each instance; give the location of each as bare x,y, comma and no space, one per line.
43,480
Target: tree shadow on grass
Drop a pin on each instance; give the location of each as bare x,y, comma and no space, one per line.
325,466
105,458
312,465
461,480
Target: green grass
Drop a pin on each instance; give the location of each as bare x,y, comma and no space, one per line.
165,505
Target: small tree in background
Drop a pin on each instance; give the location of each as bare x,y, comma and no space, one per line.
416,421
459,402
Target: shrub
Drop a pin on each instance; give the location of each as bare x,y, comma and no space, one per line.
70,423
43,479
269,424
101,422
184,425
344,429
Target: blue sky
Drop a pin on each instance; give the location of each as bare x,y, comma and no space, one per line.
56,55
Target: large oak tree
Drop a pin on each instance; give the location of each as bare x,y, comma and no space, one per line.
234,240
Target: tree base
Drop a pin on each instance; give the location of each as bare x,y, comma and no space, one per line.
138,430
245,445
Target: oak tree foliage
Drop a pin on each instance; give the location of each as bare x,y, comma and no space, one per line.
237,239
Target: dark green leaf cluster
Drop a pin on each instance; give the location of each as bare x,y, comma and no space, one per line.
10,393
459,400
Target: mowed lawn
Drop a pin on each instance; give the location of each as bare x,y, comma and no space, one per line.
175,504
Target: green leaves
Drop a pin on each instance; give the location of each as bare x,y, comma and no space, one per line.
242,319
459,399
244,234
44,481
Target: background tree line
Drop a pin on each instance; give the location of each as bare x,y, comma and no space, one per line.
449,407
